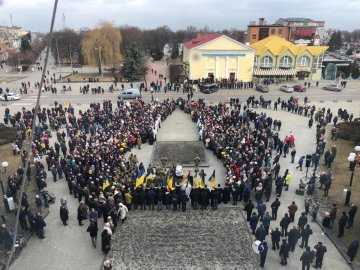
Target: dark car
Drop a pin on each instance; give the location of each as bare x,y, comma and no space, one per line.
262,88
209,88
299,88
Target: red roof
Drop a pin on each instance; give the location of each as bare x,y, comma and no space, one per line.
200,40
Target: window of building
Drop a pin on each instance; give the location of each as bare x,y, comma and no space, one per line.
255,61
304,61
266,61
273,31
280,31
285,62
253,36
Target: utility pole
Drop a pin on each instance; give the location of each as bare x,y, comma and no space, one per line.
71,60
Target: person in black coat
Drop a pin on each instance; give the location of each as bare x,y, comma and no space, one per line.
174,199
40,225
105,241
293,237
141,199
274,208
194,195
183,199
253,222
302,221
352,213
284,224
284,252
93,231
306,258
352,250
305,234
260,233
225,198
320,251
203,199
249,208
64,214
263,249
275,238
342,223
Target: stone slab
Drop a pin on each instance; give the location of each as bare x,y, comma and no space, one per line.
179,152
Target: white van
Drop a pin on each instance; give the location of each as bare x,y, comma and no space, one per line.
131,93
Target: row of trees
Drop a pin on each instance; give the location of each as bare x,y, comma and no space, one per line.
339,37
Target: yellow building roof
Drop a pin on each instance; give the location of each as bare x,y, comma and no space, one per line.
277,46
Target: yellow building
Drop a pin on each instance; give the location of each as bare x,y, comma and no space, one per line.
218,56
277,58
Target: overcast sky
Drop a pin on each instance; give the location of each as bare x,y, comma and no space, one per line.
35,15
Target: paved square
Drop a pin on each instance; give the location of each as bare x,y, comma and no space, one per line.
183,152
176,240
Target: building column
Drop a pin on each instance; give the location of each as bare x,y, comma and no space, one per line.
206,67
227,67
216,67
238,68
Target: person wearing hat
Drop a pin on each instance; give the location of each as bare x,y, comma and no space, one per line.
320,251
123,210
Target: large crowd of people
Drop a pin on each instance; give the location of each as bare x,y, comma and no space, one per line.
89,153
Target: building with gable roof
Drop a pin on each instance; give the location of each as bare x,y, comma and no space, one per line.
219,57
277,58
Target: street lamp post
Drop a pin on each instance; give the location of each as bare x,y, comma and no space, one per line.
353,159
4,164
99,50
57,49
71,60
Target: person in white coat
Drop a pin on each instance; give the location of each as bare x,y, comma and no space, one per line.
123,210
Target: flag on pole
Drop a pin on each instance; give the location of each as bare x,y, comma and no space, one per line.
140,179
212,179
148,176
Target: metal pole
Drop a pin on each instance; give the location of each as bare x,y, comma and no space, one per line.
71,61
57,51
37,106
352,176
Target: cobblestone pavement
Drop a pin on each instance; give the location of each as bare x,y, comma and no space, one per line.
183,240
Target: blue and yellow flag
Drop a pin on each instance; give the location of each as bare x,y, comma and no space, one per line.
201,185
149,176
212,179
139,180
106,184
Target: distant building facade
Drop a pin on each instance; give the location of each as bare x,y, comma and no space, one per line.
262,30
301,31
218,56
10,40
277,58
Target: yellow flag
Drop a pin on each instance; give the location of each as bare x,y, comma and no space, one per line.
170,184
140,180
106,184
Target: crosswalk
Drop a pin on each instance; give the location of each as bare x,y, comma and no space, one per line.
27,100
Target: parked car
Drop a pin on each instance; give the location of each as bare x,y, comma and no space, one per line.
209,88
131,93
262,88
299,88
287,88
333,87
10,96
